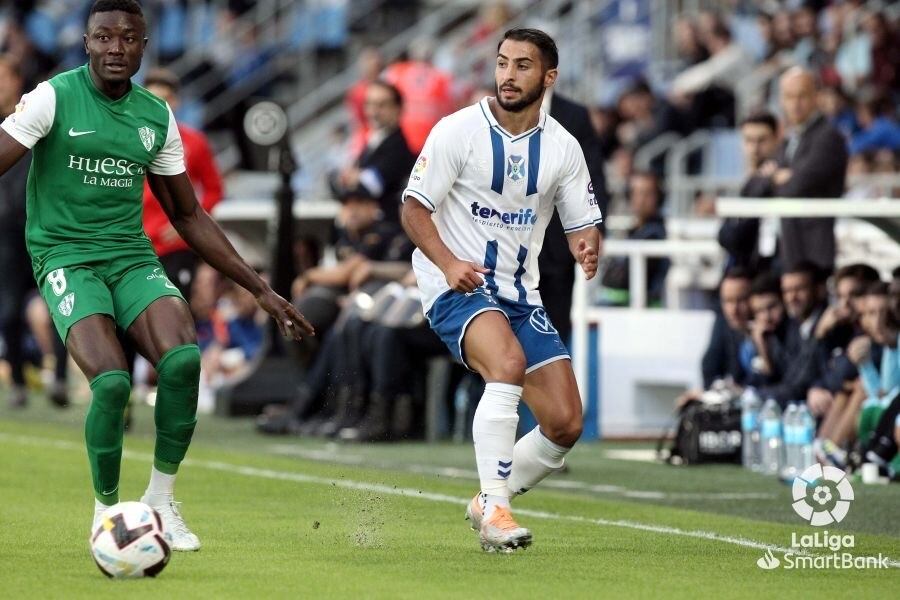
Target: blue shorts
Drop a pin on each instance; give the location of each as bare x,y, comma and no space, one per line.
452,312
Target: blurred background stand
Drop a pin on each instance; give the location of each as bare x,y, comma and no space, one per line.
274,374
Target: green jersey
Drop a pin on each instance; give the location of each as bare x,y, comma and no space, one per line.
90,154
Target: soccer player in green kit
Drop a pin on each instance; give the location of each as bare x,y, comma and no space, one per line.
94,136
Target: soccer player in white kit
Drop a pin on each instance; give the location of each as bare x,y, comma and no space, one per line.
479,200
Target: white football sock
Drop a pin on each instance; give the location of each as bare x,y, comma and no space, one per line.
535,457
494,434
489,502
161,486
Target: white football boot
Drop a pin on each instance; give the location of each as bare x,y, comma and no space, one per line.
183,539
501,533
99,509
475,512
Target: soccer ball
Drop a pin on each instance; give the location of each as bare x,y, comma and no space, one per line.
130,541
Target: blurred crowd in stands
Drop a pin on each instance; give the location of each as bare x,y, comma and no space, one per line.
829,342
824,108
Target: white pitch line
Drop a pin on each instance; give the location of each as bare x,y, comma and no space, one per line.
431,496
322,455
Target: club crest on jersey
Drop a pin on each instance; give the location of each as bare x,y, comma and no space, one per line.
66,305
148,136
515,167
541,321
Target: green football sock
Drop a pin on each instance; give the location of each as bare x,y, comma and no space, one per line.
176,405
104,429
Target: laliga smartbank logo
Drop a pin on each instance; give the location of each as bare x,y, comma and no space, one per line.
822,496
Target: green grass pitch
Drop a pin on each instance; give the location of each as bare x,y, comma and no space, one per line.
286,518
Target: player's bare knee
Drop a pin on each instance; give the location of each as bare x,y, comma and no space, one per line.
564,431
507,368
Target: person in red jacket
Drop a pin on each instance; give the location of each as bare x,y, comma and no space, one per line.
369,64
176,257
427,93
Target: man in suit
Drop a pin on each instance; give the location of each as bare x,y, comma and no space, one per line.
556,264
383,167
812,163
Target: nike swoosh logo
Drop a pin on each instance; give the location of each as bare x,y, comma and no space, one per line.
73,133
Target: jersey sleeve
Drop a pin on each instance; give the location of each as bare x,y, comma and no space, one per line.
170,159
33,116
439,164
575,200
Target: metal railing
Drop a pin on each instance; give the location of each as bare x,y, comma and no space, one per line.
638,251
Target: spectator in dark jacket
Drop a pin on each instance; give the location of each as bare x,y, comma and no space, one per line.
15,265
763,354
837,327
812,163
645,200
556,264
740,236
803,296
382,169
722,357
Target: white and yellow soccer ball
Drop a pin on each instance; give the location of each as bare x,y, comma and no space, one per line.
130,541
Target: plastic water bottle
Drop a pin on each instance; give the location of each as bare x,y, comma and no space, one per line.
806,432
770,433
790,426
750,404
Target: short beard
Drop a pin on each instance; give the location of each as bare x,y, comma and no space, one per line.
522,103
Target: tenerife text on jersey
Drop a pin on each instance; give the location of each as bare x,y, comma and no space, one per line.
523,219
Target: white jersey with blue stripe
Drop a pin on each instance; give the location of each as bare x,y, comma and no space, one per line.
492,195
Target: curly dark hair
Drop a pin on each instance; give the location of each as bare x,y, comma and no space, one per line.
132,7
544,43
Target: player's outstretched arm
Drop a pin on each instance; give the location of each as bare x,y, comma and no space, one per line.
11,151
585,247
176,196
462,276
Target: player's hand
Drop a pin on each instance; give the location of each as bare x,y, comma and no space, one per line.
587,257
464,276
290,322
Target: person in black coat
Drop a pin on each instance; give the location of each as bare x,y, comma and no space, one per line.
812,163
740,236
803,292
722,357
15,264
557,267
382,170
645,198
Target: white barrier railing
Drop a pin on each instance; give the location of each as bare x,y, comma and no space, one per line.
637,251
803,207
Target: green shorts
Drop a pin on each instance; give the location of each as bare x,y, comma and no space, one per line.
121,287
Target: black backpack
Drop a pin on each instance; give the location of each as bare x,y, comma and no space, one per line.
705,433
